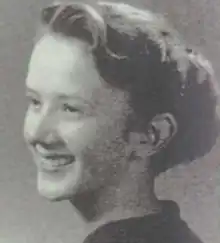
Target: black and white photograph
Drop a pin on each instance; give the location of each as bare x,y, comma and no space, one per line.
110,121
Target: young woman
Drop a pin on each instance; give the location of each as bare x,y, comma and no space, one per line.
115,99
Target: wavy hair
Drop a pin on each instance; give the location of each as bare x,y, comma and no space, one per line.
138,51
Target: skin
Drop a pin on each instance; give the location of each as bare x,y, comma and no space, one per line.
73,112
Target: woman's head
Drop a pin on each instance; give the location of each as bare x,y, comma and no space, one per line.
165,91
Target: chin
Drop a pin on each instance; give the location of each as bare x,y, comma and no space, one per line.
52,196
55,189
57,184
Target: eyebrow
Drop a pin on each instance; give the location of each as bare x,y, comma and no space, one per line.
63,96
29,90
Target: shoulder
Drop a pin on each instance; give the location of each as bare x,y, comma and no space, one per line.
166,226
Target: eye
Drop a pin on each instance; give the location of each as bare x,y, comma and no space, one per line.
34,102
70,108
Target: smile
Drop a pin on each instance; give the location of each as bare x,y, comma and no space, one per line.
54,162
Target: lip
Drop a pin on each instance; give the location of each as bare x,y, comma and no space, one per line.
49,154
54,163
56,156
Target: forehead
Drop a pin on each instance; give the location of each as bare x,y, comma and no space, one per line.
62,63
58,50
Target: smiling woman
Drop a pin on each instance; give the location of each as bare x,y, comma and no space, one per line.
115,99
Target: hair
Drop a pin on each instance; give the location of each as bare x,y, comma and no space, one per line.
139,52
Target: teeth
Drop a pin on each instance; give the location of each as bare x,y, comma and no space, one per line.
52,164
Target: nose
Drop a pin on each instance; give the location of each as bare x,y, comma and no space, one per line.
41,129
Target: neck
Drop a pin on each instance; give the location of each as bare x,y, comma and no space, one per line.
132,196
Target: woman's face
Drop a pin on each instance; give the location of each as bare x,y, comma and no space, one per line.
74,123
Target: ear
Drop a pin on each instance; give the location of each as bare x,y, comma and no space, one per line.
161,129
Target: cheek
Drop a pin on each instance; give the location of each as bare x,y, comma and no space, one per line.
28,125
78,135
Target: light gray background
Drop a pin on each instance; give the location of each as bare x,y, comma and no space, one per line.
24,216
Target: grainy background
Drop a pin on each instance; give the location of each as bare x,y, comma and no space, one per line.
24,216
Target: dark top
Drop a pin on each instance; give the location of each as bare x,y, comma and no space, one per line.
163,227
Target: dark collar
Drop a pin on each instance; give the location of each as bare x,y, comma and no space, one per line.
166,227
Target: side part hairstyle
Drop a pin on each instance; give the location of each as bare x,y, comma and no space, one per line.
139,52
